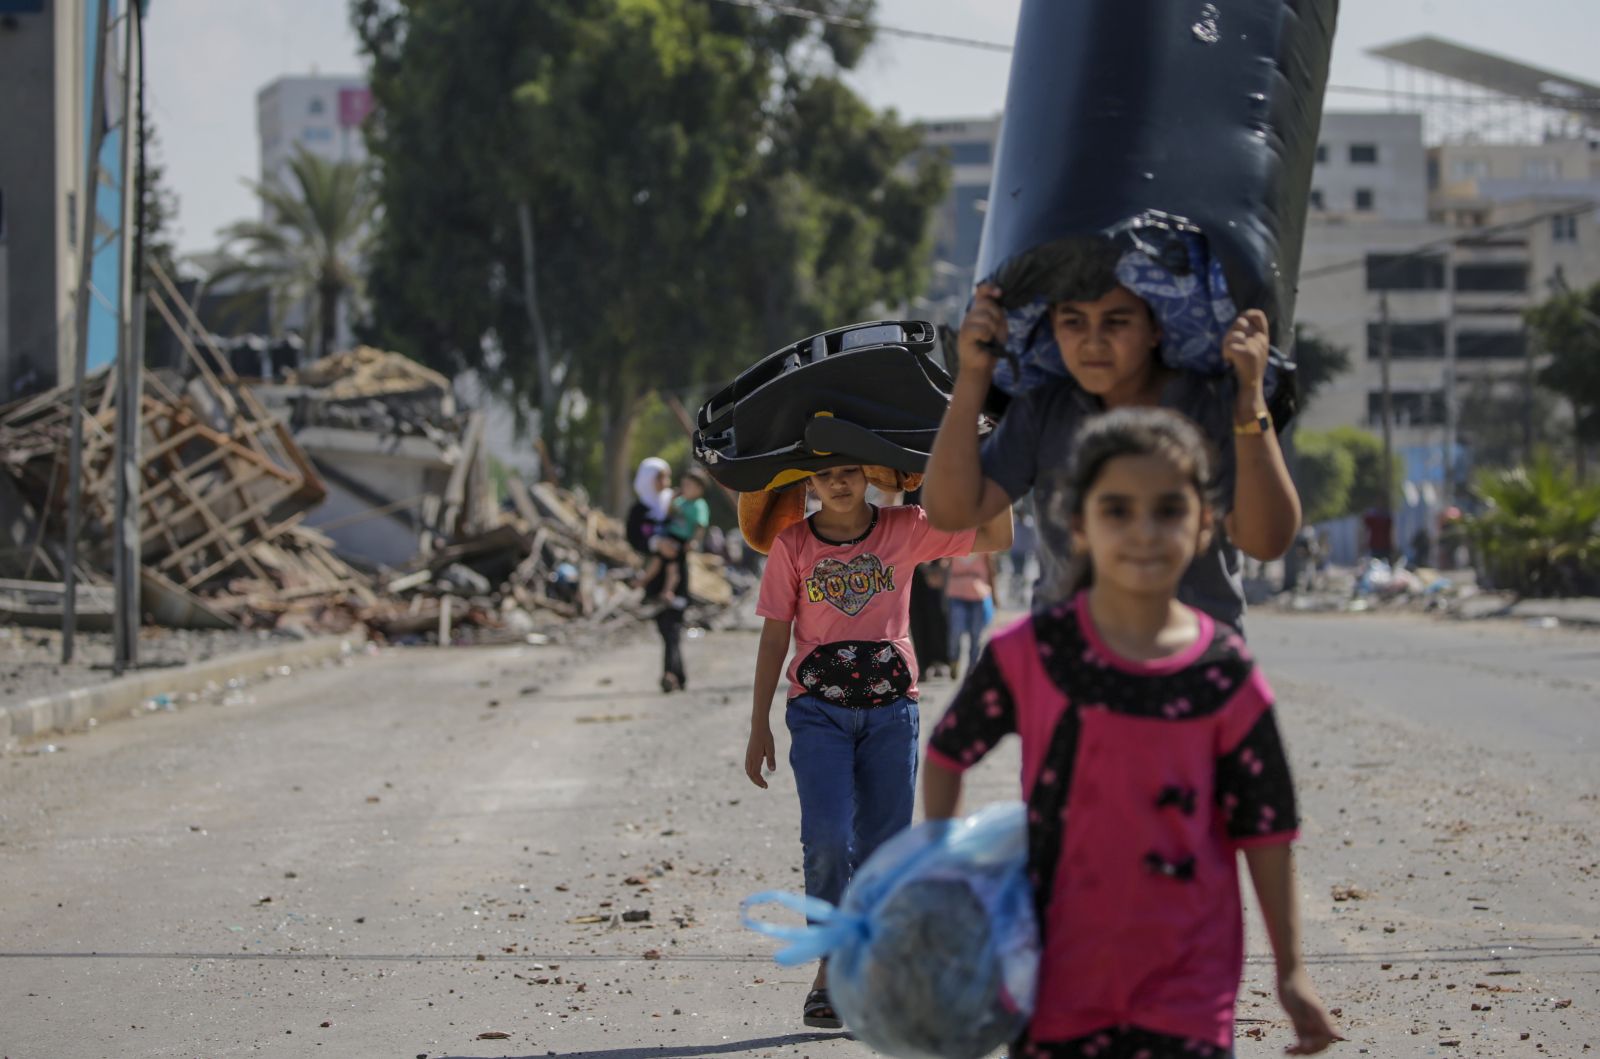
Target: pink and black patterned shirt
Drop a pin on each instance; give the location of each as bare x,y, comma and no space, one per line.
1143,780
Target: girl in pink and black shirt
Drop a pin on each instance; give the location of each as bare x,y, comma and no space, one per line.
1150,758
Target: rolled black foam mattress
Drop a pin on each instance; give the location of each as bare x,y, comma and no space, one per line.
1182,129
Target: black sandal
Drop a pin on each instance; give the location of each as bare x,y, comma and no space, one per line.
819,1013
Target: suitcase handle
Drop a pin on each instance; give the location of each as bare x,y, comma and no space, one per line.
826,435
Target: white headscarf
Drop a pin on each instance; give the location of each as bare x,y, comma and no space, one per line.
644,486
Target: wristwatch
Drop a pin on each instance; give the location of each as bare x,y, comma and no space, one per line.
1259,425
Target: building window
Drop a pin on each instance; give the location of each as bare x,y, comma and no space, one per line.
1491,345
1564,229
72,218
316,134
1405,272
1468,168
1363,199
1322,153
1541,168
1407,341
1409,407
317,105
971,154
1492,277
1317,202
971,202
1363,154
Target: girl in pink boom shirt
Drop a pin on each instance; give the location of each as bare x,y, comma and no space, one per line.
839,585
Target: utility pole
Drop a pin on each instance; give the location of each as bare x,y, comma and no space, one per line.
130,356
1529,357
87,236
1386,356
1452,407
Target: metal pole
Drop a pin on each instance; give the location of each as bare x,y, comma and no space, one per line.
86,247
1452,407
1386,356
1529,378
126,557
130,361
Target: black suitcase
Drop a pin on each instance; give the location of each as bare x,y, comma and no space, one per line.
870,393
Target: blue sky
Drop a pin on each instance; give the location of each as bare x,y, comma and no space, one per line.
207,59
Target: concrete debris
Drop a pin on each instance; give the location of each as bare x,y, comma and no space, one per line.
223,491
357,493
368,372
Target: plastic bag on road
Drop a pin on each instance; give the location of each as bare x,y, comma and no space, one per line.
934,949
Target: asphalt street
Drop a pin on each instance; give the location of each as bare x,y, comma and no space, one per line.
399,855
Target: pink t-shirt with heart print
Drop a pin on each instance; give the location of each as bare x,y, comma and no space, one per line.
860,590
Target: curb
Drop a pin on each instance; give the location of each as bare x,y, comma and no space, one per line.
117,697
1530,610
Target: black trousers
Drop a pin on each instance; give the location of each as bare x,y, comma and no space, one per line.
669,622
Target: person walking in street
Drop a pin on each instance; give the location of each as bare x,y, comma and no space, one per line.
1377,534
838,584
649,513
970,592
688,517
930,619
1151,757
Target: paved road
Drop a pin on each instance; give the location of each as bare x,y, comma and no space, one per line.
392,857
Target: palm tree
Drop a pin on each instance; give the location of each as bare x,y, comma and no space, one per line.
1539,533
308,250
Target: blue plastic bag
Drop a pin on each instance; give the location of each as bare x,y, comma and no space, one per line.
933,952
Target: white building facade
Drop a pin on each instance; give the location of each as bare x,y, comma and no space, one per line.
321,114
1370,167
969,145
1445,290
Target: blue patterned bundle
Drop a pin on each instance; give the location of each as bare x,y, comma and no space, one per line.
1169,264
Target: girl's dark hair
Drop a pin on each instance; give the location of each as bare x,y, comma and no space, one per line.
1128,432
698,474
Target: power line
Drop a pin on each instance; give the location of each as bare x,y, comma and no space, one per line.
1467,236
801,13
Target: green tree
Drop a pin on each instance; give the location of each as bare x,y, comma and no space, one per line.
1497,418
1366,454
1540,531
1341,472
307,252
1567,328
158,212
158,209
610,196
1317,362
1324,473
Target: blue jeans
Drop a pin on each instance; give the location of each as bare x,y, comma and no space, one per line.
856,771
968,616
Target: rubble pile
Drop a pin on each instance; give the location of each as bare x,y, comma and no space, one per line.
357,493
549,561
224,491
